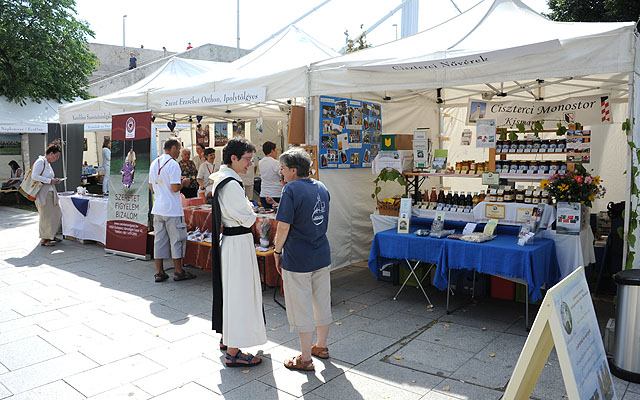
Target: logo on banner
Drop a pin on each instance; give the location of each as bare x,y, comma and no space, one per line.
604,109
130,128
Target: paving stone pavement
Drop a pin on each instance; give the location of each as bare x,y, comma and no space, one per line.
77,324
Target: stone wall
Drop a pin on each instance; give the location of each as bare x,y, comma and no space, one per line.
114,74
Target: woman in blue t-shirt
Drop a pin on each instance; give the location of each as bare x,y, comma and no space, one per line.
303,256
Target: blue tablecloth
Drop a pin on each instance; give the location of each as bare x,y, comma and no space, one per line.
536,264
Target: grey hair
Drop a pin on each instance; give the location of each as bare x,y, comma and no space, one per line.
297,158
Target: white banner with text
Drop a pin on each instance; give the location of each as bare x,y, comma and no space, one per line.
222,98
588,110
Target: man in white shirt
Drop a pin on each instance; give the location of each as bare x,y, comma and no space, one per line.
199,157
206,169
271,186
170,230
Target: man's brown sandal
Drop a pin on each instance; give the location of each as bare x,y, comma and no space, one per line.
320,352
297,364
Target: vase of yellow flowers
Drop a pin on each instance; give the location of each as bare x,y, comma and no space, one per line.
577,186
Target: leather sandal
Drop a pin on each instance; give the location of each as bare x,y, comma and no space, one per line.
223,346
47,243
320,352
185,275
296,363
248,358
161,277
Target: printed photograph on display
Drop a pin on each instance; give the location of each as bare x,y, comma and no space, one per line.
355,158
221,134
202,135
328,111
341,108
328,142
10,144
477,110
350,132
326,126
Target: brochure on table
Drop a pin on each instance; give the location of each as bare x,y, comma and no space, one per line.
350,132
568,218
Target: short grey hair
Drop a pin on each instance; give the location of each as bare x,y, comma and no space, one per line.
297,158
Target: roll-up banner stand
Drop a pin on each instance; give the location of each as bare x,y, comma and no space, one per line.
128,211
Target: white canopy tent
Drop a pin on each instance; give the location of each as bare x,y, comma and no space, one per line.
497,47
279,65
176,72
29,118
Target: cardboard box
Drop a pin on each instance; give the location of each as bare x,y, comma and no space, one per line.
421,134
397,142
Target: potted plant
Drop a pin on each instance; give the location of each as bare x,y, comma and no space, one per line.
389,205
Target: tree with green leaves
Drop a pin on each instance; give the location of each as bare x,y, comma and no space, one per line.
43,51
594,10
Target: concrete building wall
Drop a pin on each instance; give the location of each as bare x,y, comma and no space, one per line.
114,61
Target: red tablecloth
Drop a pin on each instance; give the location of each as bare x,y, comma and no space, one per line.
199,253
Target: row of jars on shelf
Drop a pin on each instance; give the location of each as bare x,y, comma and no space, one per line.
449,201
530,167
470,167
521,194
531,146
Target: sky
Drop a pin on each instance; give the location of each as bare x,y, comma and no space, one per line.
173,24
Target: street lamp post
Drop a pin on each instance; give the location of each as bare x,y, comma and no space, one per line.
123,19
396,26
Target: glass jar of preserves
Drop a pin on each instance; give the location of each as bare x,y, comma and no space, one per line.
500,195
509,196
528,194
520,194
535,197
492,195
544,146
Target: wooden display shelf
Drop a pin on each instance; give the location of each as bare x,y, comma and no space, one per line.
541,152
525,177
442,175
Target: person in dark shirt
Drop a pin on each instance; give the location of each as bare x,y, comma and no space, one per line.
303,257
133,61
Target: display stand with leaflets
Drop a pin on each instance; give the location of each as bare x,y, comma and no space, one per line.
566,320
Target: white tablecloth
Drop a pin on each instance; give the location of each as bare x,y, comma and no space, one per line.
90,227
572,251
511,212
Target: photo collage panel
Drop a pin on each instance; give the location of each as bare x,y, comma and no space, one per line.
350,132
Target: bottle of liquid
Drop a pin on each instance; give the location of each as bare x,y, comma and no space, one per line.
449,198
441,198
455,199
469,200
475,200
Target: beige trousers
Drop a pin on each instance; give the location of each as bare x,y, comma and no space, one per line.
49,217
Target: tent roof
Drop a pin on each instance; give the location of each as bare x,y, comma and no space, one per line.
501,40
176,72
280,65
31,117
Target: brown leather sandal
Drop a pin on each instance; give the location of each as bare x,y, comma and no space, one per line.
296,363
320,352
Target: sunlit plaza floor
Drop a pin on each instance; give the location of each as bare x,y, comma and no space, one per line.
77,324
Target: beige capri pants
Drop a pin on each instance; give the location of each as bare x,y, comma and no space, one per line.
49,217
308,299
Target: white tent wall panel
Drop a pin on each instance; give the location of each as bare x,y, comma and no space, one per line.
350,232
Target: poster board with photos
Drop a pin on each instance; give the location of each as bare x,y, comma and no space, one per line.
350,132
221,133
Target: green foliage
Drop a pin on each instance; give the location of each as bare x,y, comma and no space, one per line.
594,10
43,51
513,136
360,43
520,127
561,129
387,175
502,133
537,127
633,221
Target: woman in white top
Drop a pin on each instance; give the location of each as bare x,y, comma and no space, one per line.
106,162
47,198
16,176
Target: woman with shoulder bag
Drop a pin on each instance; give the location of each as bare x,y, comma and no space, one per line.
47,197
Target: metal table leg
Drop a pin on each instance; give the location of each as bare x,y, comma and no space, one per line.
412,272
